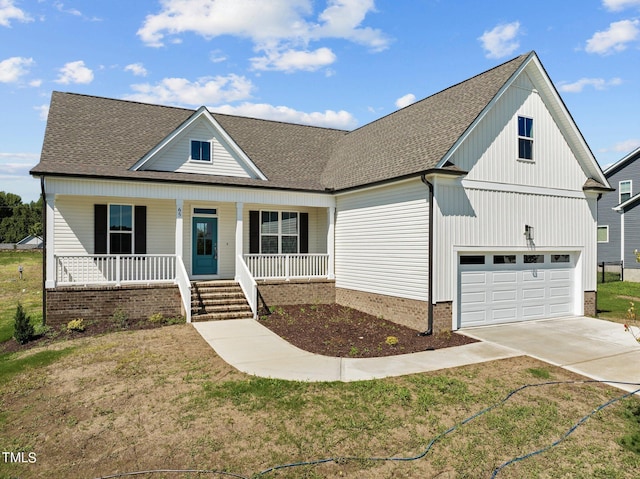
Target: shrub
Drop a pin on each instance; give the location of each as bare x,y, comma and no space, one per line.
391,340
23,329
120,319
156,318
76,325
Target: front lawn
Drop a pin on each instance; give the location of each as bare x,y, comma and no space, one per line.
614,299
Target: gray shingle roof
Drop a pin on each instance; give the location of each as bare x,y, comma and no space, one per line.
100,137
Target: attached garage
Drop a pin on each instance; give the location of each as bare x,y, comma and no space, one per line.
506,287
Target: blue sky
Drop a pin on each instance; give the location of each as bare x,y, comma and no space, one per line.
335,63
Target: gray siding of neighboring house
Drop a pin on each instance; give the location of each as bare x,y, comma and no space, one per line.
611,251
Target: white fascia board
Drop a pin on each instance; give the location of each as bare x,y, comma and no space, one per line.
621,207
201,112
620,162
525,189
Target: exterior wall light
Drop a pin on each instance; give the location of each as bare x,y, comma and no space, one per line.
528,232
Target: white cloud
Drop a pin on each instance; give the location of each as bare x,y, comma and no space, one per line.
276,27
17,164
75,72
292,60
206,90
617,5
12,69
8,12
597,83
330,119
216,56
501,41
137,69
405,100
614,39
627,146
43,111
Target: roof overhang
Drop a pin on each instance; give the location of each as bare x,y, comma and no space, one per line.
622,207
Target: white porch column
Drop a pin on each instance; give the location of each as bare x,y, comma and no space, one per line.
50,280
331,242
239,242
179,227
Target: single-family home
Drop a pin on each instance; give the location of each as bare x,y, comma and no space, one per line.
619,217
474,206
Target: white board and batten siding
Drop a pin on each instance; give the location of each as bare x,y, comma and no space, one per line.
382,240
175,156
74,223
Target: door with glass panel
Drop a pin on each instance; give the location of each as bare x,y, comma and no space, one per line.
205,246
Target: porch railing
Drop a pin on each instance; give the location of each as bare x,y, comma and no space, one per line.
248,284
287,266
115,269
184,285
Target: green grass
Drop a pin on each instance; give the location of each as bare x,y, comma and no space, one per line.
614,299
10,365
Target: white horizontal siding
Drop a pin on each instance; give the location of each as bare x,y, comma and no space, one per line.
175,156
490,152
204,193
74,224
496,219
382,240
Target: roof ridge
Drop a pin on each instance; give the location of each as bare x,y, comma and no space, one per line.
122,100
213,112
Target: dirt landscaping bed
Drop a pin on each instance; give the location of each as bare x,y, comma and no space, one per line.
334,330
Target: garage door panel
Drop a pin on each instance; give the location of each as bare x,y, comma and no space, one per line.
499,293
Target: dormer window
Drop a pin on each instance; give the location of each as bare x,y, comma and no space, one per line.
525,138
624,189
200,150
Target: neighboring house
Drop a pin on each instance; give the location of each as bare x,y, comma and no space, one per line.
32,241
476,205
619,216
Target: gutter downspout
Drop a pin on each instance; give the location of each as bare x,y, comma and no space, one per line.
44,251
429,330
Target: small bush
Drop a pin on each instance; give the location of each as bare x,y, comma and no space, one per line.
120,319
176,320
76,325
23,329
391,340
156,318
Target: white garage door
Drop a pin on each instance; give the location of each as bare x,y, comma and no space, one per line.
508,287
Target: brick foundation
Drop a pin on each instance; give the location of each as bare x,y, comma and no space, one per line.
99,303
590,303
408,312
297,292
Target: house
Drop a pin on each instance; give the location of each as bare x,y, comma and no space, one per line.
474,206
31,241
619,217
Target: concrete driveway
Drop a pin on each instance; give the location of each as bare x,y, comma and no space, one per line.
591,347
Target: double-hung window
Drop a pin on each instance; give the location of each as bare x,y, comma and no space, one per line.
525,138
624,190
279,232
120,229
200,150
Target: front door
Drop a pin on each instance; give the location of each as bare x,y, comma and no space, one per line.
205,246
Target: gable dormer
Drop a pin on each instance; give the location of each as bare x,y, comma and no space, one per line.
201,146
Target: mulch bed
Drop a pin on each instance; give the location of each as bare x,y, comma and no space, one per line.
338,331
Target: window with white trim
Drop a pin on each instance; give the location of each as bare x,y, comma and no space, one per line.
624,190
120,229
603,234
525,138
279,232
200,150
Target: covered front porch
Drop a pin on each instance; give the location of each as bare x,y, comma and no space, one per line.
157,241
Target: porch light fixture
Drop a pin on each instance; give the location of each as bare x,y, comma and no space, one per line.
528,232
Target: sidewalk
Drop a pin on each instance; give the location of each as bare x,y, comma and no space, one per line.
254,349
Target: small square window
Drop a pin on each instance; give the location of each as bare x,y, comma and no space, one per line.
560,258
504,259
603,234
200,150
525,138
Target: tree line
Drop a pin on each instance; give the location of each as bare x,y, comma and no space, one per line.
18,219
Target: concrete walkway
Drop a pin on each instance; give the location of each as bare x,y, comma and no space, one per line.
254,349
591,347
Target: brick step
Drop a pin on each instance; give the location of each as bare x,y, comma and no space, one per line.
215,283
218,294
218,301
221,316
219,289
215,308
